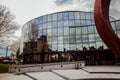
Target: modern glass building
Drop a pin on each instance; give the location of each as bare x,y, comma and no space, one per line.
70,30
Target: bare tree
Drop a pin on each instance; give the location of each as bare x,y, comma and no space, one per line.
33,32
7,24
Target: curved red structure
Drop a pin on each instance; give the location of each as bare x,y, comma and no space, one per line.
107,34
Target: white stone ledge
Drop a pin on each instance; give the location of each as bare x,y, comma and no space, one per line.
46,67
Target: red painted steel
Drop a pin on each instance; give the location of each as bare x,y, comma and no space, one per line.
107,34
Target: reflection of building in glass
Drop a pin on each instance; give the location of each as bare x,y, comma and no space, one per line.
69,30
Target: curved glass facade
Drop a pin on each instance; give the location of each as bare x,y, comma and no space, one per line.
68,29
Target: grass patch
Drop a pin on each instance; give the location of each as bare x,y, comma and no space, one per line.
5,67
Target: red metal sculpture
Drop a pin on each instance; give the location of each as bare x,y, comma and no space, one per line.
101,16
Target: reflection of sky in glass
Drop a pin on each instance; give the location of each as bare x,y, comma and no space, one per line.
69,29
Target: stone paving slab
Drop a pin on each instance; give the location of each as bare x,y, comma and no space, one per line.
45,76
9,76
102,69
81,74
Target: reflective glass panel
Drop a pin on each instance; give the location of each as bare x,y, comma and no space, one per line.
118,25
90,29
44,18
49,32
72,31
71,23
60,47
54,17
66,30
78,39
78,30
60,16
54,24
71,15
66,39
82,23
77,22
77,16
54,32
49,25
54,47
66,23
65,16
40,19
60,23
84,38
79,46
88,16
84,30
73,47
66,46
91,38
60,39
54,40
82,15
72,39
49,17
60,31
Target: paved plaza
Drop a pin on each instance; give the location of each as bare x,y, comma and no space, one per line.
87,73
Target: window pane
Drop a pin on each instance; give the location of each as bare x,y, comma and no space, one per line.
71,15
97,37
60,31
91,38
82,15
60,39
77,16
72,46
71,23
82,23
60,16
88,22
54,32
72,40
49,25
90,29
113,25
66,46
78,31
65,16
54,17
54,24
54,40
49,32
44,18
45,26
60,23
54,47
49,17
118,25
92,45
79,46
78,39
99,44
40,19
77,22
60,47
84,30
84,38
66,30
88,15
66,39
72,31
66,23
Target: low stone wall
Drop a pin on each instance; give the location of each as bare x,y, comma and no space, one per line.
46,67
